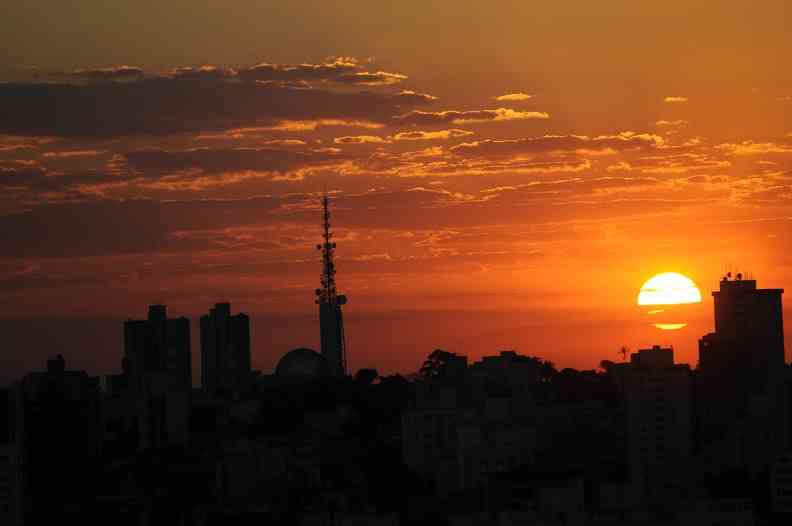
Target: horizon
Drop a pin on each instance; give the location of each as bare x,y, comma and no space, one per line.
523,169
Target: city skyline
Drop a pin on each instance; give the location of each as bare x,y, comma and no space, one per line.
502,178
409,263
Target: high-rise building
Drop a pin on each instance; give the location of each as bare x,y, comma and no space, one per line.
331,320
7,460
741,375
225,351
158,377
158,344
56,439
746,351
659,421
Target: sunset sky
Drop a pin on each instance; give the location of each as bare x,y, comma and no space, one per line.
503,175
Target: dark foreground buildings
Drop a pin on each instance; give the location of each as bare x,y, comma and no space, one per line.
506,440
56,438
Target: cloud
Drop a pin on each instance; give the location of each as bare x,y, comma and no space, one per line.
671,124
621,166
675,99
549,143
373,257
345,70
514,96
28,185
12,143
413,98
203,73
112,73
754,148
262,136
153,163
431,135
170,105
419,117
365,78
311,125
361,139
73,154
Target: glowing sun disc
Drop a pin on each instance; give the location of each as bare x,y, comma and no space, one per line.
669,288
670,326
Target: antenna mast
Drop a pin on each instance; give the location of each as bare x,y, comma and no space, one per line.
328,299
328,291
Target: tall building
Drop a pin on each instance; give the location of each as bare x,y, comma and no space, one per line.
158,377
741,375
7,460
331,320
659,421
746,351
225,351
158,344
56,437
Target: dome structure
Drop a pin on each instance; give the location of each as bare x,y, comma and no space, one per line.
302,363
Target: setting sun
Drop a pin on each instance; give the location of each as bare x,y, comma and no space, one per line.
668,294
669,288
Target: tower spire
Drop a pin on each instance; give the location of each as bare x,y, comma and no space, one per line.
331,320
328,290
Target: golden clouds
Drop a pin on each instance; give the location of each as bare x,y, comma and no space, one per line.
549,143
431,135
360,139
517,96
671,124
419,117
755,148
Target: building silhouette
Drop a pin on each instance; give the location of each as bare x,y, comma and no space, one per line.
740,389
158,344
302,363
225,351
56,436
157,377
747,347
331,320
659,422
7,460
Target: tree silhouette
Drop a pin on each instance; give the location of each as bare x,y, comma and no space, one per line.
436,364
624,351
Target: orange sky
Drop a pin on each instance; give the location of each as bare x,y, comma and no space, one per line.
502,177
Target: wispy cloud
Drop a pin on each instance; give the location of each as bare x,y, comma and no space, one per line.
431,135
517,96
361,139
549,143
419,117
671,124
111,73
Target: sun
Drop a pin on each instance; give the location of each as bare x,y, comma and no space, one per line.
666,294
669,288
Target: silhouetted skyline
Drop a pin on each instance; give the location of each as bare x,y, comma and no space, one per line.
493,169
264,262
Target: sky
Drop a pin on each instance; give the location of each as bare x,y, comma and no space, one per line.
502,176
